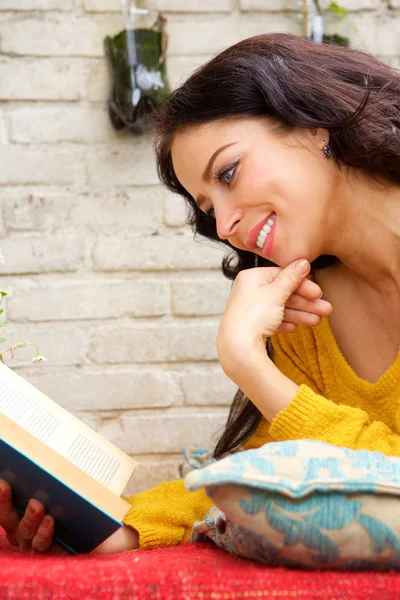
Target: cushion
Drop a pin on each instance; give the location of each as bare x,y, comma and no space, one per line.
304,504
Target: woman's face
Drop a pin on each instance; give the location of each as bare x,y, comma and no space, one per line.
271,193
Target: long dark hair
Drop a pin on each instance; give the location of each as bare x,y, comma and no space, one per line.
295,83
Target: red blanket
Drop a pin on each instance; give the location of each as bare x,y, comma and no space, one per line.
190,571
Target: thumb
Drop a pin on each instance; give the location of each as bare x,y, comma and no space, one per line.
290,278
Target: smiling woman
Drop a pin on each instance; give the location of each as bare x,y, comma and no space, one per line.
303,140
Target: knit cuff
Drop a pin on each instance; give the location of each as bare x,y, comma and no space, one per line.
306,417
149,535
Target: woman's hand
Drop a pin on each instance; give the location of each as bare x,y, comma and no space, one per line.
34,531
269,300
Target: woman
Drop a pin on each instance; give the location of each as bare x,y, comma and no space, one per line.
288,152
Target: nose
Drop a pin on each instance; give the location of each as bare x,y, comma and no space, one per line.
228,220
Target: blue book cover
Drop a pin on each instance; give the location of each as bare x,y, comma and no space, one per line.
80,526
49,454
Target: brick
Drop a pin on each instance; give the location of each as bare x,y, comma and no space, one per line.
119,388
21,165
186,6
42,254
361,29
48,209
291,5
35,209
387,36
3,232
149,343
205,297
91,300
59,35
355,5
155,253
165,432
208,386
3,131
28,5
130,163
206,36
150,473
267,5
61,345
41,79
393,61
174,210
180,67
137,209
98,81
60,124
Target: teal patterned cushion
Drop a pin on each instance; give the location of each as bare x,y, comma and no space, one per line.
304,504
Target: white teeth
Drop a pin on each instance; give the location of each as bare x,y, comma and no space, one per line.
262,236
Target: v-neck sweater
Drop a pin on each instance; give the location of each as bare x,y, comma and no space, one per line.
332,404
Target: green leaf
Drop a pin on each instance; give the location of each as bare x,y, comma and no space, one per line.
3,324
1,310
339,11
2,340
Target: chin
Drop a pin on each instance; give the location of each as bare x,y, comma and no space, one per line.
287,260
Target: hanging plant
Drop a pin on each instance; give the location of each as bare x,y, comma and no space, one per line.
336,38
313,19
136,58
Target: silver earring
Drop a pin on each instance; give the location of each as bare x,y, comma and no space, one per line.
326,150
256,260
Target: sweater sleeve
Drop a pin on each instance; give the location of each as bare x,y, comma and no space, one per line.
164,515
312,416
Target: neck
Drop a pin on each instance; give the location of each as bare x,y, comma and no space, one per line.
368,222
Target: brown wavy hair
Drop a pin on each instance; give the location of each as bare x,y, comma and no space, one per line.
296,83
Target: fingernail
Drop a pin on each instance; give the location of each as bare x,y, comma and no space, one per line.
46,521
302,266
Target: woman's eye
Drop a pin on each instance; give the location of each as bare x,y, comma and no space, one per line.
211,213
226,175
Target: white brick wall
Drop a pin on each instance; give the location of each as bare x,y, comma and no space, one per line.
102,271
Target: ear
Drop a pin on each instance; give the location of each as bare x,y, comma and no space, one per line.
322,137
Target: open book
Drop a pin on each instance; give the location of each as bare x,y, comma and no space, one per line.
49,454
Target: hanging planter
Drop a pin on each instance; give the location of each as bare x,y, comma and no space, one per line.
136,59
313,22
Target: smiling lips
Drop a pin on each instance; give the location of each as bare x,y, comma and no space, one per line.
251,243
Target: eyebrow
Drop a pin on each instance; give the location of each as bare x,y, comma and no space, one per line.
207,171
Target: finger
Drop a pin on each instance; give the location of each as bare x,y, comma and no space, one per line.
318,307
309,289
29,524
289,279
300,317
43,539
9,517
286,327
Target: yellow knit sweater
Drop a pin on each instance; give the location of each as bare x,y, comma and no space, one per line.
333,405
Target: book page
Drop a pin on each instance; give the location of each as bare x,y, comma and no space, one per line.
63,432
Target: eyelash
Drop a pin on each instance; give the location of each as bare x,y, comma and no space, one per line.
218,178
